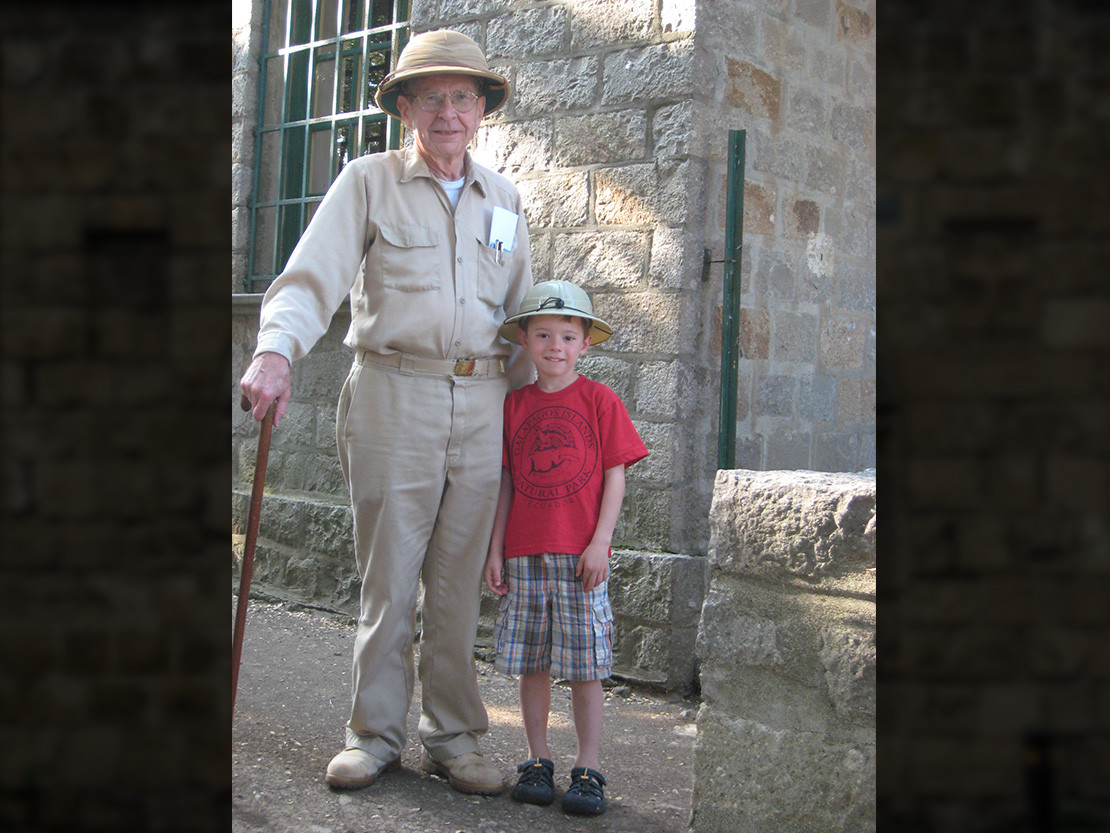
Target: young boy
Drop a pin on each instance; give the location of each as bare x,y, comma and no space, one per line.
567,442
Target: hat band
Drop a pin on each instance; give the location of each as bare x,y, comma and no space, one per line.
560,304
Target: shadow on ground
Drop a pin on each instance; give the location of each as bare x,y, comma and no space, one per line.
292,702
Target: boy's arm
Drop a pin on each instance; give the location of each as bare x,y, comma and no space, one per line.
593,566
495,558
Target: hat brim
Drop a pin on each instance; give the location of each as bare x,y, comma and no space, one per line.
599,329
494,87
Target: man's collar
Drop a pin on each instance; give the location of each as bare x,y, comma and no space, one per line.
414,166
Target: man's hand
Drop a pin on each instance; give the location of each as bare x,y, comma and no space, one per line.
267,380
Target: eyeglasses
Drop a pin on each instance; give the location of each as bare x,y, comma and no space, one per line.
462,101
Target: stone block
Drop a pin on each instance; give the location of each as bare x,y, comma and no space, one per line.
674,262
854,26
515,147
753,90
856,402
678,16
805,112
611,259
321,374
788,656
658,466
601,138
842,343
608,22
754,334
643,322
802,218
282,521
646,519
671,129
453,9
787,449
796,782
656,601
775,396
526,33
616,373
759,208
854,126
557,201
815,14
657,71
635,194
328,531
817,398
795,337
656,387
559,84
798,527
825,170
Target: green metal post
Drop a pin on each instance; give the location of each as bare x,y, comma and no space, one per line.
730,311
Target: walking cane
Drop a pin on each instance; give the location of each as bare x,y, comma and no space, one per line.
248,547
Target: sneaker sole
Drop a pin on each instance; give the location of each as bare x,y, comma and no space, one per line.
356,783
434,767
539,801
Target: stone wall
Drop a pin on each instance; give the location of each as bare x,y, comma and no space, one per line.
799,78
786,730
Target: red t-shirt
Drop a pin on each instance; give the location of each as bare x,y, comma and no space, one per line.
557,448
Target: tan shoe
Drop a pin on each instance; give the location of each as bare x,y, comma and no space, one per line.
353,768
469,773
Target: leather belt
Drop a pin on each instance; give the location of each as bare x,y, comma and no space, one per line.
408,363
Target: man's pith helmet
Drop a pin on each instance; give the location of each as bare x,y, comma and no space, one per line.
442,52
556,298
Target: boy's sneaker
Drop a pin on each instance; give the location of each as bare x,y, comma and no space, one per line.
585,795
536,784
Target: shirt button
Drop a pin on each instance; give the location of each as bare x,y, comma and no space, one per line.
462,300
458,259
457,343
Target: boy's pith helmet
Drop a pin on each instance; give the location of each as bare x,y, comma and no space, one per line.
556,298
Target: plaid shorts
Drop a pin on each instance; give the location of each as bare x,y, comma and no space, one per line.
546,621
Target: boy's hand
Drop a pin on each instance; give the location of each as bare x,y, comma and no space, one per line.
593,566
494,564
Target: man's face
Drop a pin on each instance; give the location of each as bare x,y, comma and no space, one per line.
444,134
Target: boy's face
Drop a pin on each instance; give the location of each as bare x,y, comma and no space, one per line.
555,342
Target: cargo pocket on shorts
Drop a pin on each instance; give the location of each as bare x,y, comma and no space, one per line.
601,615
500,632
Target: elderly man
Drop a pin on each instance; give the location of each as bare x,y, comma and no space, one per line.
432,248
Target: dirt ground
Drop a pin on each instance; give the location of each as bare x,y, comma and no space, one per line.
292,703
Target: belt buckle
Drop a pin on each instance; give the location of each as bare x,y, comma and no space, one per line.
464,367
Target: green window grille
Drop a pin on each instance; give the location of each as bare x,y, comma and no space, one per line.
322,63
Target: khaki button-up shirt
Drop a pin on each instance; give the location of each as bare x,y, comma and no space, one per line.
421,278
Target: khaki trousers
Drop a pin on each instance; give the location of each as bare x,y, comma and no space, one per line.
421,454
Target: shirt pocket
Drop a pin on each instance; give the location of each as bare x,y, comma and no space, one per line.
494,269
408,257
